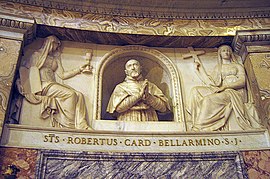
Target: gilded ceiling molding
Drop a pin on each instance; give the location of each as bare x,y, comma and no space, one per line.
145,11
131,25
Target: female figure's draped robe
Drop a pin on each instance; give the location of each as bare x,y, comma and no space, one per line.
62,104
211,110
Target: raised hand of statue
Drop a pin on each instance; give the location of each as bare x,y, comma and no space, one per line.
145,89
83,67
197,65
86,68
142,90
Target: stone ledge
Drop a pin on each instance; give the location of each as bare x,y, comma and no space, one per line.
82,140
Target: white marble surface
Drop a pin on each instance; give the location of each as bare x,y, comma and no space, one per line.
130,126
170,73
80,140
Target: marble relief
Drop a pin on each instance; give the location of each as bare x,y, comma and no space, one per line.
137,99
157,68
178,84
211,106
59,103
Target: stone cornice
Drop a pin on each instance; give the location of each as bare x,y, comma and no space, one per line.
17,25
130,25
147,12
254,37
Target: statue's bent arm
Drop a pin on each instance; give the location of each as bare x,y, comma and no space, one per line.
156,103
65,74
127,103
241,79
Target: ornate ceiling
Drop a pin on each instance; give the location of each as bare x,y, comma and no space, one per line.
166,23
184,9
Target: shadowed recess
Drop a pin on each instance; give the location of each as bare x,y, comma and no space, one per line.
85,36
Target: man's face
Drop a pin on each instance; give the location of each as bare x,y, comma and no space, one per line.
133,68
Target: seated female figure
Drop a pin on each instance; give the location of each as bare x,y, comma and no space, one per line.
61,103
211,106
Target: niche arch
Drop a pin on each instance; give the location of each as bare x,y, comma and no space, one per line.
148,58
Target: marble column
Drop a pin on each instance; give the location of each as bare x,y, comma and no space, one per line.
254,49
15,32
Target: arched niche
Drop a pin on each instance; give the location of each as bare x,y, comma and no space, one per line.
157,68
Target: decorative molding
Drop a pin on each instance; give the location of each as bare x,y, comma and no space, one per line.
121,24
146,10
17,24
250,37
14,23
15,135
